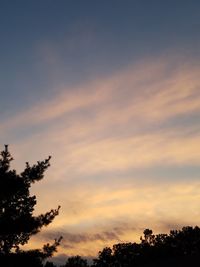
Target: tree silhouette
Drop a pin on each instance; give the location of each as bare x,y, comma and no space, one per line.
76,261
105,258
17,222
179,248
49,264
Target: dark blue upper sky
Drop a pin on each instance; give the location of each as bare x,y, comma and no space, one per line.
85,39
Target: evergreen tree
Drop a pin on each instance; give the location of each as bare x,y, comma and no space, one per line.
17,222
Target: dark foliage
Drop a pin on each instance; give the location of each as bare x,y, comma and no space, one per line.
49,264
17,222
179,248
76,261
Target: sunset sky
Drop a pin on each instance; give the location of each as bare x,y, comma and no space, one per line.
110,89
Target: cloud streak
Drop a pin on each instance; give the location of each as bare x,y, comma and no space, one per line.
147,91
99,133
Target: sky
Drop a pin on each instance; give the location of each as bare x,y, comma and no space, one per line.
111,90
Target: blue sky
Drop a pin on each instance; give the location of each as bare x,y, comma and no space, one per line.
86,39
111,90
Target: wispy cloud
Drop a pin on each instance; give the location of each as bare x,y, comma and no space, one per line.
84,237
99,133
148,91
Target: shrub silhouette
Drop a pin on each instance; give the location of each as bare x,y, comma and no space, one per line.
17,222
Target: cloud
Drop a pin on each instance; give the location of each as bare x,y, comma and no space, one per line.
131,119
70,238
103,135
147,91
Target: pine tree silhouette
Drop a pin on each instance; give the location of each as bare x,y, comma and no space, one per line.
17,222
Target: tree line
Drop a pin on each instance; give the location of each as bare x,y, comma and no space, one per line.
18,224
178,248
